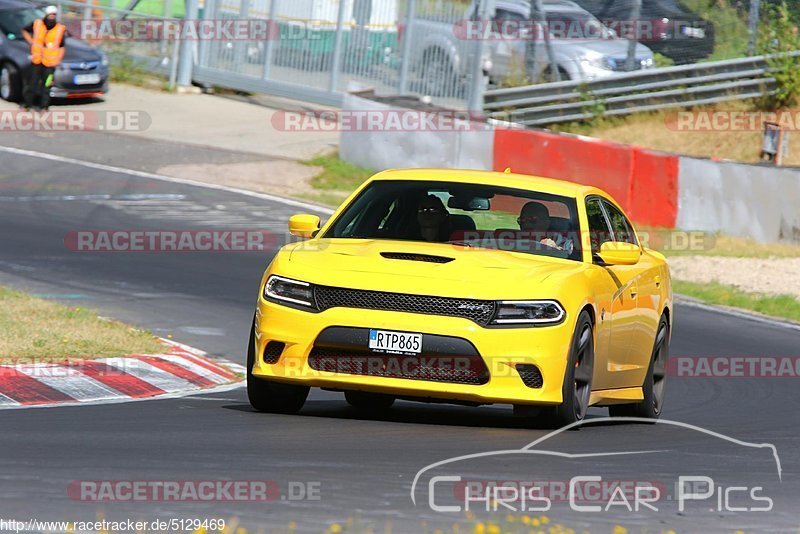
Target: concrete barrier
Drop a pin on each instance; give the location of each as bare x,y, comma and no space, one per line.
467,146
655,188
753,201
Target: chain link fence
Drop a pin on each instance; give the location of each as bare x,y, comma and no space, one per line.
448,50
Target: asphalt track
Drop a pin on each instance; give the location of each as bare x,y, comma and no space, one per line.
363,466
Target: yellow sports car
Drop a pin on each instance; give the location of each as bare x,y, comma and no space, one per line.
469,287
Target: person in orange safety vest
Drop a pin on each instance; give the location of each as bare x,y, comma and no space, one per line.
46,37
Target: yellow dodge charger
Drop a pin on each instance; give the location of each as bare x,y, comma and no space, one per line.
469,287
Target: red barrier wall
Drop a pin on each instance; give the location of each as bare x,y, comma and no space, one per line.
643,182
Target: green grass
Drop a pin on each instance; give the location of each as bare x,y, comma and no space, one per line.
34,329
784,306
336,180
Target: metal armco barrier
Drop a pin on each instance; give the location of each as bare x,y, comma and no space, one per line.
642,91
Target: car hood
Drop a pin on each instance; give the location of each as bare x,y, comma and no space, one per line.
77,50
471,272
608,47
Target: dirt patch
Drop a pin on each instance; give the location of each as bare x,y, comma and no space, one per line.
770,276
281,177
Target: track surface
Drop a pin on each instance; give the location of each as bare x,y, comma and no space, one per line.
364,465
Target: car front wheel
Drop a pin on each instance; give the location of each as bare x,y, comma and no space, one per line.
654,382
9,82
577,386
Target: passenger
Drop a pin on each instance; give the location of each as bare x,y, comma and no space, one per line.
433,219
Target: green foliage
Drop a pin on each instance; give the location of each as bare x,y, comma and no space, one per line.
662,61
591,104
778,39
730,26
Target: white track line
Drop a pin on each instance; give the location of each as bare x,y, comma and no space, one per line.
153,176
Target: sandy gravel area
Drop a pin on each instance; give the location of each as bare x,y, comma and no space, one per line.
772,276
282,177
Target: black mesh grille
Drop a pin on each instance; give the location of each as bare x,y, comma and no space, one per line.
531,375
416,257
273,351
480,311
453,369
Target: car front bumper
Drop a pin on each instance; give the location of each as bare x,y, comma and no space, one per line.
500,349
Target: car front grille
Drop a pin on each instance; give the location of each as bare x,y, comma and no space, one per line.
469,370
480,311
273,351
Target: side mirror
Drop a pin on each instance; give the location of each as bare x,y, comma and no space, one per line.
303,225
616,253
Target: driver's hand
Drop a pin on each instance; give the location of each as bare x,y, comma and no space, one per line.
550,243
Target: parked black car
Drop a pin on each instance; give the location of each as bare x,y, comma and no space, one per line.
673,29
82,73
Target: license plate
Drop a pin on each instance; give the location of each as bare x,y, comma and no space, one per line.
697,33
86,79
398,342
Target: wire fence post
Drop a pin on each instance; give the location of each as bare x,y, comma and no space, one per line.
405,60
186,59
752,27
273,32
636,12
477,79
336,60
555,75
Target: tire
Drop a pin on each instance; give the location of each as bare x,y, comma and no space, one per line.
577,386
10,83
437,74
267,396
368,402
547,75
654,382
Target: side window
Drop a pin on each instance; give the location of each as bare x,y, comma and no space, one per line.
623,231
506,23
598,228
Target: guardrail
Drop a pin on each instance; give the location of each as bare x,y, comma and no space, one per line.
633,92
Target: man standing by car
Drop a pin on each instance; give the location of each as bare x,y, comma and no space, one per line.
46,37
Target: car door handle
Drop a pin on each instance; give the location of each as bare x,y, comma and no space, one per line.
658,281
634,291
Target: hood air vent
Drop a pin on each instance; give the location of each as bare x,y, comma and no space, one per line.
416,257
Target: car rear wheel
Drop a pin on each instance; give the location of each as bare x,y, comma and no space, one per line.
10,83
654,382
438,76
577,386
368,402
268,396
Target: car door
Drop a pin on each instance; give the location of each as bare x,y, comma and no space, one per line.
621,311
507,45
644,292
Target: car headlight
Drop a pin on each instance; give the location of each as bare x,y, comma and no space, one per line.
599,62
289,291
104,60
528,312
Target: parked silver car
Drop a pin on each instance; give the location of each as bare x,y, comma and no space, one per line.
583,48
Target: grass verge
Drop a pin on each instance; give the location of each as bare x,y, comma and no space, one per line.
336,180
34,329
672,242
783,306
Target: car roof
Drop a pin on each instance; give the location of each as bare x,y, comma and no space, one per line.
548,5
503,179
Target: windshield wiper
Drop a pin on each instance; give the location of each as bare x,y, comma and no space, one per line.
462,243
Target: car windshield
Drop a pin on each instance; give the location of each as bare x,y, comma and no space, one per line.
12,21
575,25
474,215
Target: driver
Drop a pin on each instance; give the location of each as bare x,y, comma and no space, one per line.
535,218
433,219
